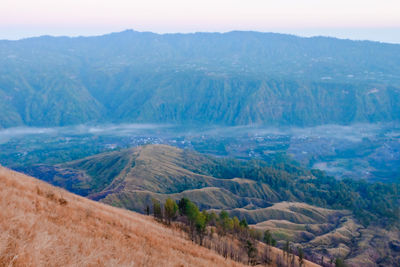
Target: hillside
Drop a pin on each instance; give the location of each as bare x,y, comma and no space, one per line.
41,225
328,217
235,78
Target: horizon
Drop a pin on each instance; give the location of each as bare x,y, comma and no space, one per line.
371,20
297,34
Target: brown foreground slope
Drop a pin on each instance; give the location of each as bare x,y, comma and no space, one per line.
41,225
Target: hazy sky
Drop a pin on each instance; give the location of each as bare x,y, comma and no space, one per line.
355,19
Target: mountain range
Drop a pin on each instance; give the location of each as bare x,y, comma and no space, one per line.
196,81
233,78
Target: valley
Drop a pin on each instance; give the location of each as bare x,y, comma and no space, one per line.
290,201
250,140
360,151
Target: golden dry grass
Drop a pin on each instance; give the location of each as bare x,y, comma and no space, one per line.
41,225
277,256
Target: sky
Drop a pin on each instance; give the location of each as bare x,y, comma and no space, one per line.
377,20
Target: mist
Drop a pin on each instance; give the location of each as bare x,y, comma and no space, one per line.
359,151
106,129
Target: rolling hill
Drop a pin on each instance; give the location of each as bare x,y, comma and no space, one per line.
235,78
330,218
41,225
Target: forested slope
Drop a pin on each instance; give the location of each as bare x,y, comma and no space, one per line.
203,78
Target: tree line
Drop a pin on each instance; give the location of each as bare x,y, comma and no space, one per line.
371,203
229,236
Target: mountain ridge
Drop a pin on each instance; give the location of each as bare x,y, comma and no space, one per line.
234,78
133,31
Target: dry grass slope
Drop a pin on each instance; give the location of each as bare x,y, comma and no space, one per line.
41,225
165,171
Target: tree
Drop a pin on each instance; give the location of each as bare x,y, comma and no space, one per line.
211,218
266,257
339,263
255,234
223,215
301,256
243,223
251,252
170,209
286,249
157,212
236,224
191,211
182,205
226,224
267,238
201,224
292,260
267,251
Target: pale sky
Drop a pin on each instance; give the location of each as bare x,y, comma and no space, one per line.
355,19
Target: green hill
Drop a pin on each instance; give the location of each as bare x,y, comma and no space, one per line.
234,78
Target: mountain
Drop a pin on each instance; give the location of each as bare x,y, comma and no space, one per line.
234,78
328,217
42,225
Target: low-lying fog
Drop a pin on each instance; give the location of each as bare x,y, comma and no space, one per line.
355,132
109,129
370,151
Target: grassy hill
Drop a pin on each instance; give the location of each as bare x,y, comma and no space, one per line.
41,225
330,218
